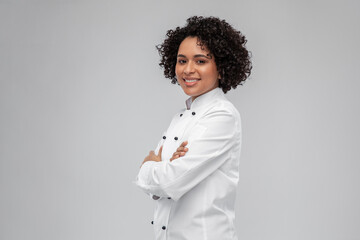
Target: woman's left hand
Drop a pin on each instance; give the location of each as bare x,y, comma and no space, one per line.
153,157
180,151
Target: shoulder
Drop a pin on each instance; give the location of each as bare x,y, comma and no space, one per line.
222,115
222,106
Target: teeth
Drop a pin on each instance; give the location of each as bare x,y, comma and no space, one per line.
190,80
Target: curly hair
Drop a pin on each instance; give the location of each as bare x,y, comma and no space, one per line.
224,42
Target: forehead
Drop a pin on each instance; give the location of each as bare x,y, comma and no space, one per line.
192,45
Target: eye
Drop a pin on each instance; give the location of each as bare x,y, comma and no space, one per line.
181,61
201,61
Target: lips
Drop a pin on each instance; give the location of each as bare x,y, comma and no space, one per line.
190,81
194,80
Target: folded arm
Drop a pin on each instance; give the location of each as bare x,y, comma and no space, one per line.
218,132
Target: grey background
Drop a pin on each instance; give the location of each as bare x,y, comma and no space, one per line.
82,101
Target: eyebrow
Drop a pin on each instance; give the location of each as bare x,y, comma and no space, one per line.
208,56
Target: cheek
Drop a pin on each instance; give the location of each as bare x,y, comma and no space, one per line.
210,73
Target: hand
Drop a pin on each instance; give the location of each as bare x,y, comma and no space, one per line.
180,151
153,157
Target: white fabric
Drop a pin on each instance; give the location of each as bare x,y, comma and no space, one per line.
195,194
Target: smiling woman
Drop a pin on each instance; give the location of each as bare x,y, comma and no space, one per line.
220,39
193,173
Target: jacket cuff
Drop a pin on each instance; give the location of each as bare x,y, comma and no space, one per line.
144,179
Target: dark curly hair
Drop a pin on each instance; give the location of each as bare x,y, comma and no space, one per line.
225,43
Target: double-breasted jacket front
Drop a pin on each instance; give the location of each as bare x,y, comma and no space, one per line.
195,194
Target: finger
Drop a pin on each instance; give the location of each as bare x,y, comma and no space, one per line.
182,149
174,157
178,154
183,144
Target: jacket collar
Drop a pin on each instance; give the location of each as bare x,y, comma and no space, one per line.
204,99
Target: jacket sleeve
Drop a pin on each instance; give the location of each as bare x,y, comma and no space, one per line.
152,196
209,146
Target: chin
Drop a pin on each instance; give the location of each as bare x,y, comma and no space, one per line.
190,93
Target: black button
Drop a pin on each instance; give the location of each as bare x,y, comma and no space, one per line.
176,138
193,113
169,197
181,115
164,137
163,227
152,222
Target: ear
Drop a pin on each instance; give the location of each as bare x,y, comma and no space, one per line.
220,73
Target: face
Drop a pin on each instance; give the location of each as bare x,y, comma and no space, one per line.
196,70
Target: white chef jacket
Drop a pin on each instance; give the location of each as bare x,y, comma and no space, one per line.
195,194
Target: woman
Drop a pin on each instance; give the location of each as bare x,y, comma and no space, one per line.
193,173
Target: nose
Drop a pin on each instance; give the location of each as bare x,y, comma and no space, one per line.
189,68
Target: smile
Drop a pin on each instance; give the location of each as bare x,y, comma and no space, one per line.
191,80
